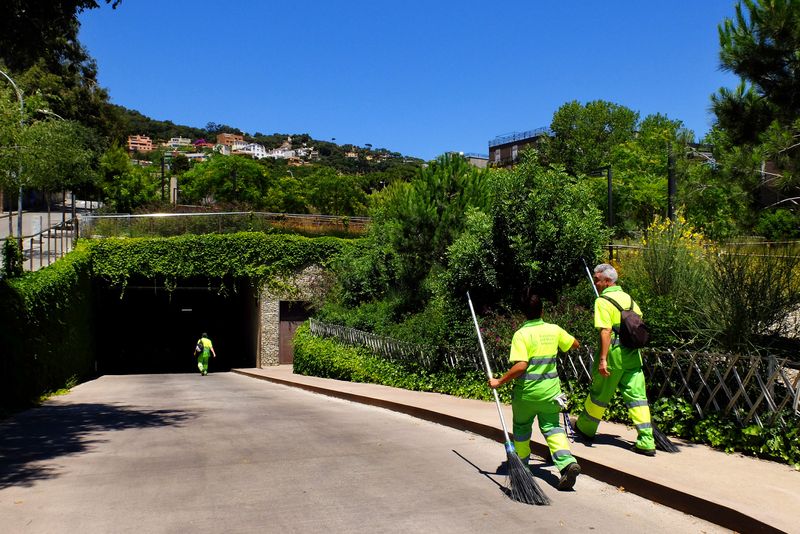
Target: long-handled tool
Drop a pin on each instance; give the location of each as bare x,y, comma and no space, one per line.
663,443
523,488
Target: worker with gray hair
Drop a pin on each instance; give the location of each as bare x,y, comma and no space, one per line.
617,366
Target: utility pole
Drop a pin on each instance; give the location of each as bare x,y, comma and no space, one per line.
671,185
19,173
162,177
610,199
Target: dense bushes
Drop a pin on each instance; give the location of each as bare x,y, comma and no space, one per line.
47,337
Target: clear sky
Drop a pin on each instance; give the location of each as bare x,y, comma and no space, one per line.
416,77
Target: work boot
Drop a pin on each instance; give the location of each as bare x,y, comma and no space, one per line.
568,476
579,433
644,452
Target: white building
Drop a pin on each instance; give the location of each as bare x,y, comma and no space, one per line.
175,142
255,150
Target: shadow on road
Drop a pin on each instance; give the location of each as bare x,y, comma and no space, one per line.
52,431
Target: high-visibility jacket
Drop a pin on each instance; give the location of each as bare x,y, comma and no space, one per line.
206,345
538,343
606,315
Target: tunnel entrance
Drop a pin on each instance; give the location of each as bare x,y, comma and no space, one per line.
152,330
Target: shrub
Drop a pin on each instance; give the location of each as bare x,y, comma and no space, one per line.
12,259
779,224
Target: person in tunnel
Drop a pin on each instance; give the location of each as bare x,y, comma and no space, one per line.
204,349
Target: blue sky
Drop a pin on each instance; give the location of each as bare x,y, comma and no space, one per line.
421,78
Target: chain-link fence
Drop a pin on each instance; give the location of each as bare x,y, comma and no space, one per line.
754,388
172,224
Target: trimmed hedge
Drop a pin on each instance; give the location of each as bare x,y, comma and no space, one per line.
46,332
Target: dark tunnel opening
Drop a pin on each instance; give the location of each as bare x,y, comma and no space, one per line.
152,330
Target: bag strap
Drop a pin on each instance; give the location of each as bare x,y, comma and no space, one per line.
617,304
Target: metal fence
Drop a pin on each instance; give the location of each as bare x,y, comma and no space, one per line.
753,389
171,224
42,248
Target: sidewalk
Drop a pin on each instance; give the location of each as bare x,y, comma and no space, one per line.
731,490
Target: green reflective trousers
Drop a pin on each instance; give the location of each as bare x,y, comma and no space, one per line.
525,412
630,383
202,362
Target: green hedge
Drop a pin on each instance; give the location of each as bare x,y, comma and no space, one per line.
327,358
47,340
263,258
47,337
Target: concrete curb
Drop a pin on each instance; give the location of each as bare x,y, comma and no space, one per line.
687,503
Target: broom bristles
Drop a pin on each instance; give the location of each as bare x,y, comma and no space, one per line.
523,488
663,443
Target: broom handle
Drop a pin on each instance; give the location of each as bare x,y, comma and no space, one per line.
488,368
591,280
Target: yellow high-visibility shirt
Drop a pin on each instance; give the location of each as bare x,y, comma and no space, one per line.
538,343
606,315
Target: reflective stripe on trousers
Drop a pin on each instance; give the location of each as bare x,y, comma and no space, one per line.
631,385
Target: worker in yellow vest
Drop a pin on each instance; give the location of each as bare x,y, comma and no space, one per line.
617,367
534,351
203,349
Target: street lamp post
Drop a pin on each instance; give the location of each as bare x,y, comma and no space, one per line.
19,173
609,175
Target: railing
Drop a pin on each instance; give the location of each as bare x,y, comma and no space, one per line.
519,136
760,389
43,248
170,224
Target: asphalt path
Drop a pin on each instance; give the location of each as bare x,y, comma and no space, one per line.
227,453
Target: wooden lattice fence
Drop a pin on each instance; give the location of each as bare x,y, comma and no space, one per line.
751,388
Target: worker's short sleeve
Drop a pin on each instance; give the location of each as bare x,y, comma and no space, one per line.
603,314
565,340
519,349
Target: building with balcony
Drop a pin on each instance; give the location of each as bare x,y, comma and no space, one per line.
140,143
505,150
228,139
176,142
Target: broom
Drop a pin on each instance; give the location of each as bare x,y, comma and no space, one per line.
523,488
663,443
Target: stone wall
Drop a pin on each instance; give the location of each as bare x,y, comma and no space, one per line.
303,286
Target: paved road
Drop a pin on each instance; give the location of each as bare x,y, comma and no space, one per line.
227,453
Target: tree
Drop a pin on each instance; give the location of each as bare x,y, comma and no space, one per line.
762,47
125,187
584,135
56,155
544,221
640,172
30,30
227,179
336,194
761,118
39,44
416,223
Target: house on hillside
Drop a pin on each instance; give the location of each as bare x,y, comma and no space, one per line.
139,143
227,139
176,142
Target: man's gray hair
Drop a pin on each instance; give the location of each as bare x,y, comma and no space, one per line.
607,271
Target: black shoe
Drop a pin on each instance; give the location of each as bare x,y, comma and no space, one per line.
568,476
644,452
